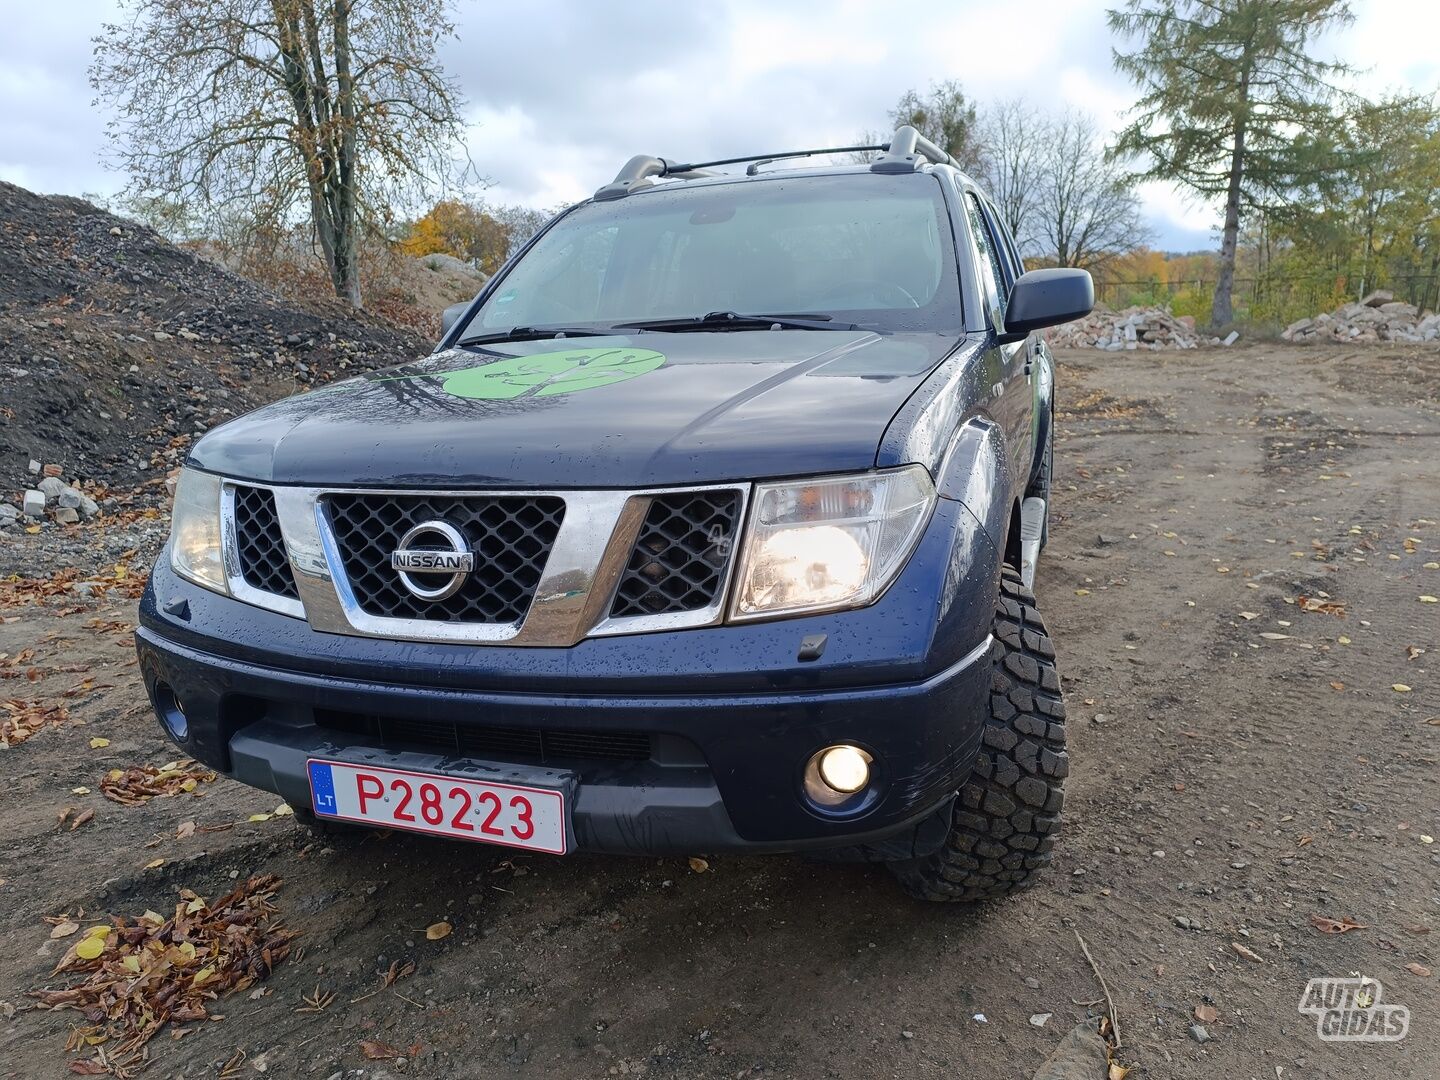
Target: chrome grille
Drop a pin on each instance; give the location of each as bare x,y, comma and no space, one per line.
679,559
260,548
511,537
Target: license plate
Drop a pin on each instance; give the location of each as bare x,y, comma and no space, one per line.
509,814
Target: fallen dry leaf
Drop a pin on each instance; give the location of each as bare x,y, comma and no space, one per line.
64,929
1429,600
154,864
1418,969
1413,652
698,864
98,743
378,1051
1327,925
1325,607
1241,950
1400,688
1206,1014
436,931
1337,685
88,814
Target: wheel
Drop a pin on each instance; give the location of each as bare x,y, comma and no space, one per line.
1005,820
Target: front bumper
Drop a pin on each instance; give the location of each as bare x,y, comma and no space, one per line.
740,790
732,714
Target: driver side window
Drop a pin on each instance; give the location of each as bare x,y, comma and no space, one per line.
990,268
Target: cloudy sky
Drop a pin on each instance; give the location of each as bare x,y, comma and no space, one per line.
561,92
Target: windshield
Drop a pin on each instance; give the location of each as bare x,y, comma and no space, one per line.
864,248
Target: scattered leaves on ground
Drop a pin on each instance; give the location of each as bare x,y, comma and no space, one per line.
21,719
1327,925
141,973
140,783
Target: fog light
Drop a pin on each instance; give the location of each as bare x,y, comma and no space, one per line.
845,769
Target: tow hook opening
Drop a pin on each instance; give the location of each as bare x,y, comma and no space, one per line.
171,712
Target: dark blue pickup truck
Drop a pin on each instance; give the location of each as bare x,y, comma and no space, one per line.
710,525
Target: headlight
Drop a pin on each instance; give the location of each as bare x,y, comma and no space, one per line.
838,542
195,530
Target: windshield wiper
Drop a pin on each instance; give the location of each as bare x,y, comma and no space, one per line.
734,320
530,333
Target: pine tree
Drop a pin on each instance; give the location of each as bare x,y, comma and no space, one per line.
1229,94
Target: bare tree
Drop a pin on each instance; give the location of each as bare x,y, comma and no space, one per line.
943,116
332,108
1086,212
1013,136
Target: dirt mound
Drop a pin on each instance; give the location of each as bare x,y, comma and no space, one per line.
118,348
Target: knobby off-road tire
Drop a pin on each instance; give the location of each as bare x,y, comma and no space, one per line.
1007,815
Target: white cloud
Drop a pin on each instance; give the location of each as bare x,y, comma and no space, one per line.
562,92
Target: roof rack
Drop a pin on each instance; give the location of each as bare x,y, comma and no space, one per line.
907,151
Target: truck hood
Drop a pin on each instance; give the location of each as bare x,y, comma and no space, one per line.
643,410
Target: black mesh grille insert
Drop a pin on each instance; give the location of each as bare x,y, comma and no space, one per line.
521,744
679,557
511,537
263,562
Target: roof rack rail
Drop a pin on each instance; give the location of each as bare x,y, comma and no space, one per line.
906,151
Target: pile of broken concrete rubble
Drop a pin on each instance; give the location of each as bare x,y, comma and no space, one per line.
1378,317
51,497
1133,328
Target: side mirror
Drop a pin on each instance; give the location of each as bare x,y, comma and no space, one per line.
1047,298
451,315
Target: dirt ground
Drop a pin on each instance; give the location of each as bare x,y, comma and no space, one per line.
1240,763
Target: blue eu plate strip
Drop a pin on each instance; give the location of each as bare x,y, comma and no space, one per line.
322,788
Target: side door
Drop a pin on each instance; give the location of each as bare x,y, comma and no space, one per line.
1012,402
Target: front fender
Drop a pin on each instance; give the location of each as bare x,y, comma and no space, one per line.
1044,405
976,474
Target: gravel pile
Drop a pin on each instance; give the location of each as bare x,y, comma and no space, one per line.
117,348
1379,317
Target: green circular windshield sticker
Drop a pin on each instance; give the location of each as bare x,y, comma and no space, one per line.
548,374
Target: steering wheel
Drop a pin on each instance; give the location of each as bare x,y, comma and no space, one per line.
872,289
